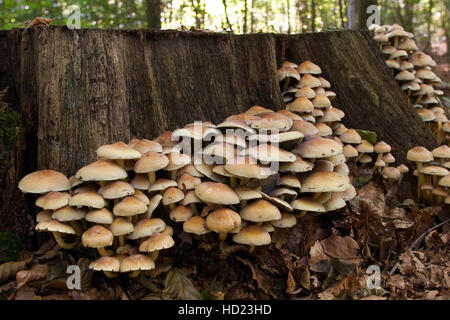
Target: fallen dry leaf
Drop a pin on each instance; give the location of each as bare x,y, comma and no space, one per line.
37,272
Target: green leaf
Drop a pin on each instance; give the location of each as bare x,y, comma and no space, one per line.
9,247
360,181
446,99
179,286
370,136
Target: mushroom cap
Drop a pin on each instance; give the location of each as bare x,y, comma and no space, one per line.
68,213
153,204
367,159
177,161
342,169
299,165
157,241
89,199
252,235
53,200
44,216
388,158
151,162
172,195
277,138
420,59
310,81
305,92
301,104
189,198
247,193
207,170
337,159
197,131
290,181
216,193
307,204
391,173
181,213
97,237
419,154
196,225
334,203
270,153
162,184
121,226
323,129
382,147
318,148
350,136
365,147
101,170
271,121
105,264
140,182
403,169
277,192
234,139
192,170
332,115
439,191
118,150
379,163
321,101
325,182
234,124
188,182
308,67
287,220
116,189
260,211
445,181
348,194
304,127
143,146
138,194
219,150
136,262
129,206
223,220
287,72
349,151
44,181
100,216
434,171
147,227
441,152
54,226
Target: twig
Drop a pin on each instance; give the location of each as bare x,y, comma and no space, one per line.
418,241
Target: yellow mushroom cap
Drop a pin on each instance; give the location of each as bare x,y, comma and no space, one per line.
44,181
97,237
252,235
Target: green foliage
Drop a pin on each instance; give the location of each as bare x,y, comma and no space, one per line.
206,295
9,247
370,136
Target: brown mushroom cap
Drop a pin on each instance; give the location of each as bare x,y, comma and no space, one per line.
216,193
325,182
68,213
188,182
143,146
391,173
116,189
97,237
100,216
140,182
196,225
121,226
129,206
151,162
382,147
301,104
136,262
419,154
53,200
223,220
434,171
252,235
287,72
441,152
307,204
157,241
101,171
287,220
299,165
260,211
445,181
181,213
118,150
105,264
44,181
147,227
172,195
89,199
318,148
44,216
307,67
162,184
350,136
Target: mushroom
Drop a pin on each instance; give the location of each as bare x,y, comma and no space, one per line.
149,163
156,242
121,227
419,155
135,263
118,152
223,221
252,235
260,211
98,237
58,229
101,171
109,265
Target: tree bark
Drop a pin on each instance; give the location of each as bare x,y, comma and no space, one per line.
153,11
79,89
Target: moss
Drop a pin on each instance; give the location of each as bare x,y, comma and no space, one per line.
10,127
9,247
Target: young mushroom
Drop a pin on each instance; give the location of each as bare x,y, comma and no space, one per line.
156,242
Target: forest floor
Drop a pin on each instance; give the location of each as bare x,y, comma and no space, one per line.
332,256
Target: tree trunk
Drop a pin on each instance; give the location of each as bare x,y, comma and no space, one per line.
153,12
313,15
79,89
352,14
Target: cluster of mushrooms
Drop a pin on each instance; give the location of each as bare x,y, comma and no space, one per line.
412,69
432,173
308,95
241,179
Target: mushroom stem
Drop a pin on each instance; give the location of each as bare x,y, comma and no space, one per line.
173,174
154,255
103,252
251,248
64,245
121,240
110,274
286,84
380,155
194,208
172,206
222,236
151,177
233,182
419,179
134,274
243,203
102,183
77,227
244,181
120,163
